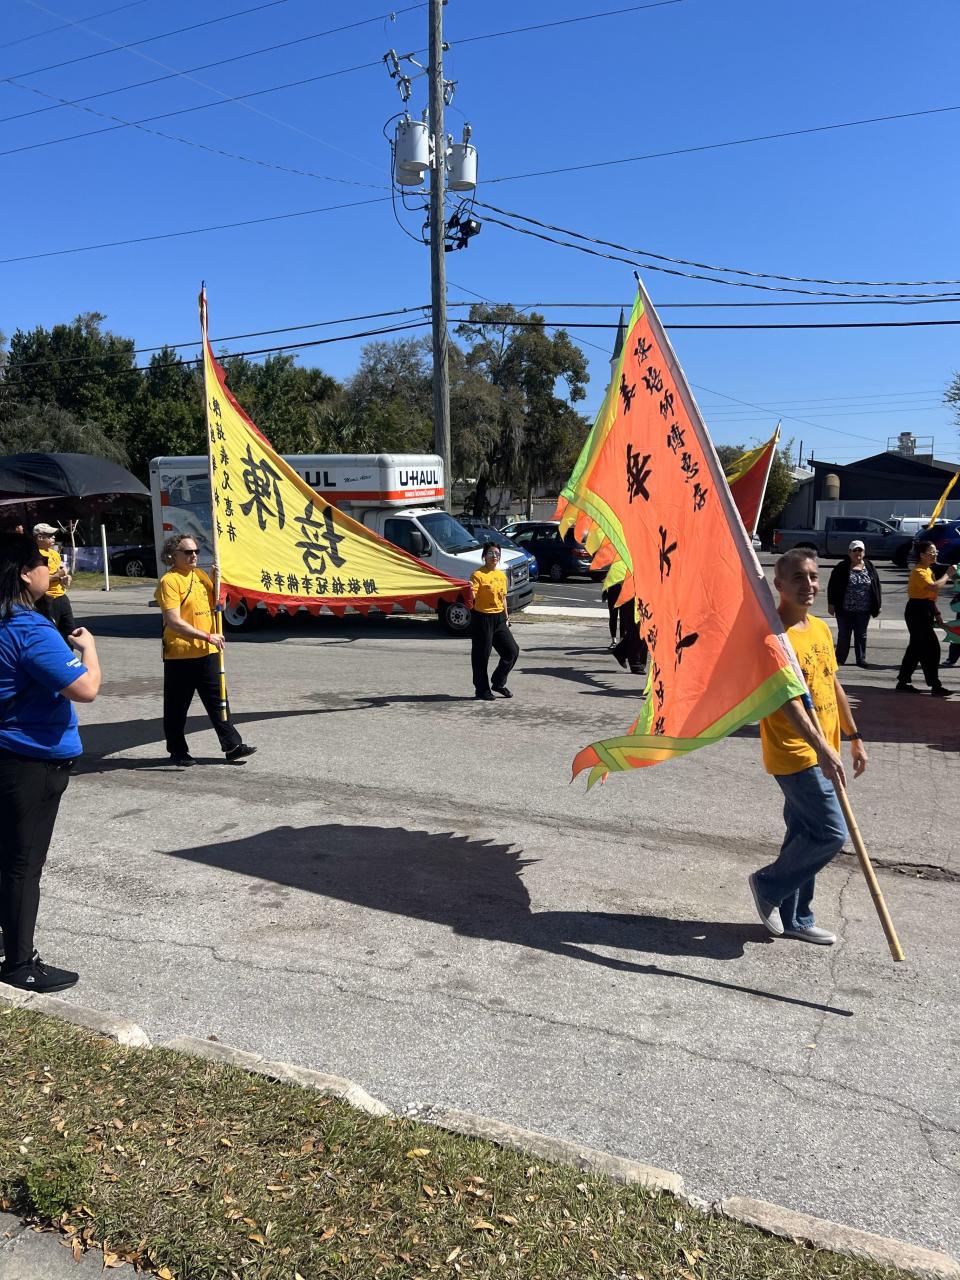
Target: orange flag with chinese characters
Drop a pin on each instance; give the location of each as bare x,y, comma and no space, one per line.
649,490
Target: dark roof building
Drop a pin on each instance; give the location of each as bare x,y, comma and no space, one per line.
885,477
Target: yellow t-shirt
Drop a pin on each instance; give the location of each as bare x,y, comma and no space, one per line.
920,586
52,557
192,594
489,590
784,751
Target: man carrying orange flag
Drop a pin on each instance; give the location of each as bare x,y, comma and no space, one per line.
802,752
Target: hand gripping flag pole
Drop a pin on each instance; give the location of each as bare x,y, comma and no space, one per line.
217,602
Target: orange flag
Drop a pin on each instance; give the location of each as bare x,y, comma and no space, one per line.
747,477
649,490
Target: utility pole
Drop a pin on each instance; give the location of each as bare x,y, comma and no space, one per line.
438,265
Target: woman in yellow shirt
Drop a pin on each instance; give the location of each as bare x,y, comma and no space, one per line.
923,649
490,627
190,646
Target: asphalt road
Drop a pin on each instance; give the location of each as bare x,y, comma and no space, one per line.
402,887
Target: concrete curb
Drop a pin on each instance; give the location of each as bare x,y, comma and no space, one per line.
333,1086
774,1219
119,1029
823,1234
557,1150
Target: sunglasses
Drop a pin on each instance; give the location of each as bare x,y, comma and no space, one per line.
188,551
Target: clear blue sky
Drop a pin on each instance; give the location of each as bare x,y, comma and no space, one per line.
872,203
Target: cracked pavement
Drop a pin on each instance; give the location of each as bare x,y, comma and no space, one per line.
402,887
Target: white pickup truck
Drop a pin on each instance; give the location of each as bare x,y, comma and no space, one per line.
399,496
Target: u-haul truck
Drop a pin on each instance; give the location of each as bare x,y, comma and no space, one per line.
397,495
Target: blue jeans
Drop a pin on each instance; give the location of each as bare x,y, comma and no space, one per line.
816,832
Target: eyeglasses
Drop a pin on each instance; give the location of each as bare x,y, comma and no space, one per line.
188,551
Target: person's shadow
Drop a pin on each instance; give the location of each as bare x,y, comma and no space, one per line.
475,888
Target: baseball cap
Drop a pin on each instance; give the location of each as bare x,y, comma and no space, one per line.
856,545
44,528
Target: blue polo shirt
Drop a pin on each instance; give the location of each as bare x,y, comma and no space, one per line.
35,663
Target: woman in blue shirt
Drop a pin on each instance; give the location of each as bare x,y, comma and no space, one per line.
40,677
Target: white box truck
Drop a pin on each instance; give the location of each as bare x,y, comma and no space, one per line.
394,494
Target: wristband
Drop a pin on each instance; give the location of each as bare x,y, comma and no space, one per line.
854,737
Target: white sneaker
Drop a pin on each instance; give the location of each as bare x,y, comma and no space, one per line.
822,937
768,913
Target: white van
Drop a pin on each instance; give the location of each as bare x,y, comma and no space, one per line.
394,494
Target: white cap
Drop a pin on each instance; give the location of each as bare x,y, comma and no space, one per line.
44,528
856,545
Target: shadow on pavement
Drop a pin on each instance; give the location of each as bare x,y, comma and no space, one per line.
475,888
593,683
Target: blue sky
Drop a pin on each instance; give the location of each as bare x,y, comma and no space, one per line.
876,202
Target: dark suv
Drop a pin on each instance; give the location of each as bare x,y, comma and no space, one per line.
945,537
558,556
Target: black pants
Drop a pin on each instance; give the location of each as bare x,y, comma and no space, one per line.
30,792
856,623
631,645
182,678
923,649
490,631
60,612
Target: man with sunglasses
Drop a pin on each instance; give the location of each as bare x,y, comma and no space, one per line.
190,647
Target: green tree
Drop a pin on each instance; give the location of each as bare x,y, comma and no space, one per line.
780,484
535,432
952,396
48,429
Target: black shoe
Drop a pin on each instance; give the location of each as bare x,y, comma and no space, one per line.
863,664
503,691
239,753
906,688
950,662
638,671
484,697
37,976
941,692
623,661
184,762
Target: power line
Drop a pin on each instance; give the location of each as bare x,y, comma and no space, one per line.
37,35
562,22
734,142
205,66
672,271
711,266
193,231
133,44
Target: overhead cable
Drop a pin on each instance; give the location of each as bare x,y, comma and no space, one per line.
49,31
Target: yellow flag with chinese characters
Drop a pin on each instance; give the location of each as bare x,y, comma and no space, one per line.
280,544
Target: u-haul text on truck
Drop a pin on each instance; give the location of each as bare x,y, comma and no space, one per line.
399,496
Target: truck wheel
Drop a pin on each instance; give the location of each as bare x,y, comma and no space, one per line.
454,618
237,617
899,558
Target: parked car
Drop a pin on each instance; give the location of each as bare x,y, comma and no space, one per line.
559,556
134,562
945,535
483,531
882,541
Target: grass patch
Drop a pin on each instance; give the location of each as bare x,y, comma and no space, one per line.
202,1172
94,581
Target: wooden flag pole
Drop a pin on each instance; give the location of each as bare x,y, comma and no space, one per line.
866,866
214,541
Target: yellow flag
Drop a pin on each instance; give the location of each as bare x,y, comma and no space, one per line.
278,543
943,500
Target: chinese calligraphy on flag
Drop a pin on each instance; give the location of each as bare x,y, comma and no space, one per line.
649,492
281,544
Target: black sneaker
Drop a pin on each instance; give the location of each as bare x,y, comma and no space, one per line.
503,691
906,688
239,753
37,976
941,692
182,762
484,697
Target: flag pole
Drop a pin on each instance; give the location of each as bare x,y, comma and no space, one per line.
766,478
866,866
214,539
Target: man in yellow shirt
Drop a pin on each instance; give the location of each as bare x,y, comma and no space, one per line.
801,749
490,627
190,645
56,601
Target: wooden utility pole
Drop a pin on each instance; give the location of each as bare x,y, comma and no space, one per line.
438,266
